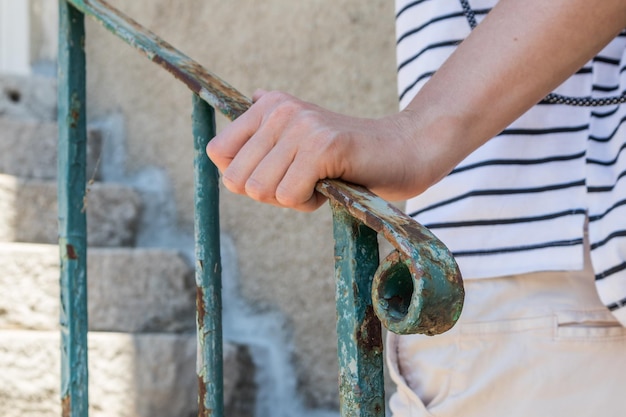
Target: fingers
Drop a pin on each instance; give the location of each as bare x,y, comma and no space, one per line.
263,181
253,139
292,191
228,143
257,154
276,172
287,179
223,148
236,175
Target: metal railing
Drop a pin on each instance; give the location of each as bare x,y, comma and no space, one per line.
416,289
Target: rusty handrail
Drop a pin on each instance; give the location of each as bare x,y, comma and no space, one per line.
421,252
416,289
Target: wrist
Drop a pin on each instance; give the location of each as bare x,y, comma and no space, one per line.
436,141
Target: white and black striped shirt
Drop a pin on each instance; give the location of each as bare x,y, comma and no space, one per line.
519,203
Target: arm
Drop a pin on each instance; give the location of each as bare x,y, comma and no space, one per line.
278,150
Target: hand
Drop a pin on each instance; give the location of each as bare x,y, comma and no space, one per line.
281,147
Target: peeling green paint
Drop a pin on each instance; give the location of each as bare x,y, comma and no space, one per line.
433,292
359,337
208,280
207,85
416,289
72,220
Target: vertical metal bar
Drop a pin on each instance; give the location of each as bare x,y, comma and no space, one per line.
71,211
208,266
360,348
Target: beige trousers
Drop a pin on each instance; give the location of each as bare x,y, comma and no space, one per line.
534,345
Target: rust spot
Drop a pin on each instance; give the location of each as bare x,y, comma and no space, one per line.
74,110
235,102
200,307
369,333
203,411
71,253
198,78
232,102
419,234
373,221
74,115
66,406
177,72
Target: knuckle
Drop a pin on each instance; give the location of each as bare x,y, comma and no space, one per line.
281,107
258,191
286,109
288,197
295,202
311,121
213,150
276,96
232,183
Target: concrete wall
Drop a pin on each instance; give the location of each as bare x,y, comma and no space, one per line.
337,53
43,25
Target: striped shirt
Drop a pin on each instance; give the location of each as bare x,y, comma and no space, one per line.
519,203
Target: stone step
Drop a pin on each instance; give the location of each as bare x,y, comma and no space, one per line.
28,149
28,97
129,290
28,212
130,375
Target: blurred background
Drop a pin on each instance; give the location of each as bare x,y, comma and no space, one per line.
279,309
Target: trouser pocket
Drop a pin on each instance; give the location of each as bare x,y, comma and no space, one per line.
595,326
566,364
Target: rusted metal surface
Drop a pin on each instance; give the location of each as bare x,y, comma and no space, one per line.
72,151
208,266
66,406
416,289
434,291
205,84
359,339
433,269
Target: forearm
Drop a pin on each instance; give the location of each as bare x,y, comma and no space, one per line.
278,150
517,55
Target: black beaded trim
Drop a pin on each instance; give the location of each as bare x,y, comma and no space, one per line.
553,98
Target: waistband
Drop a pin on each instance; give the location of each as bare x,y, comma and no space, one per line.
531,295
